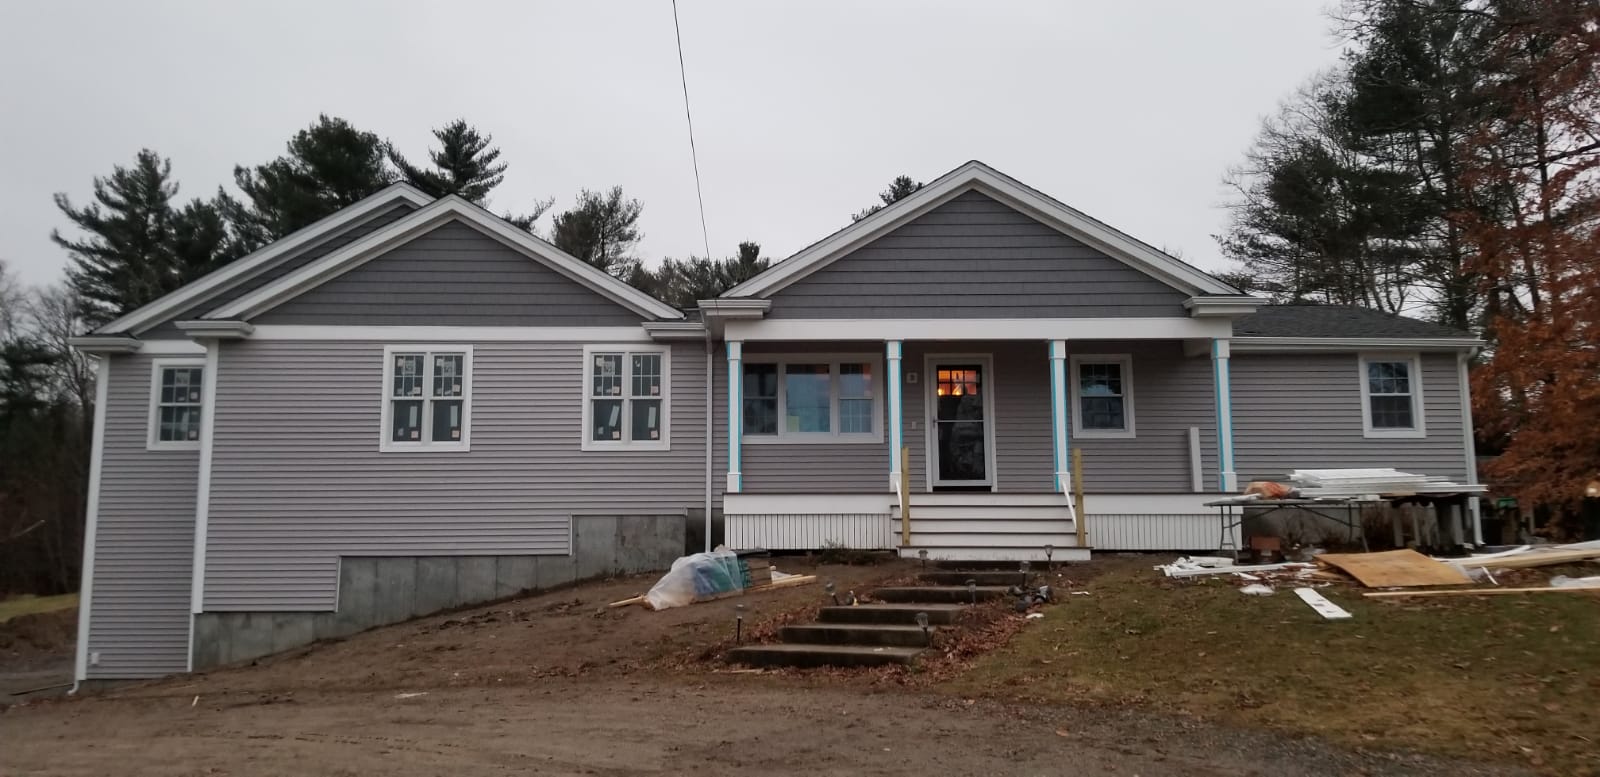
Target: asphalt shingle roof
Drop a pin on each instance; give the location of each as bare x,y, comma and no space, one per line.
1304,320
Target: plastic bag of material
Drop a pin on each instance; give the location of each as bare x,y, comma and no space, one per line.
1562,581
700,576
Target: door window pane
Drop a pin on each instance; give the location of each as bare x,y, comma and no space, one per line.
961,451
807,404
958,394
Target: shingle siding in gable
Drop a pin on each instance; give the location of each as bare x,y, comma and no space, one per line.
283,266
1303,411
144,543
974,257
451,276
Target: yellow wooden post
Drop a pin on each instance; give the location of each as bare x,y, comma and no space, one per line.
905,495
1077,496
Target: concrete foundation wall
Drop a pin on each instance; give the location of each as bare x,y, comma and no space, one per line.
380,590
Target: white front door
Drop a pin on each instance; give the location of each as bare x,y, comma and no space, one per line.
960,421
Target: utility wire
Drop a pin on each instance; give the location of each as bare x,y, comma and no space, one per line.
694,155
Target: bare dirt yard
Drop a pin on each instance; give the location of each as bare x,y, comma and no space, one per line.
558,684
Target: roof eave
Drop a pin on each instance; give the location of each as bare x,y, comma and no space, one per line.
1287,344
100,345
1216,305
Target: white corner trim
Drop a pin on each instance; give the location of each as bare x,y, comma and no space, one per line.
1418,406
202,501
1197,482
1123,360
153,426
586,413
980,177
385,413
1033,329
422,221
178,300
91,532
445,334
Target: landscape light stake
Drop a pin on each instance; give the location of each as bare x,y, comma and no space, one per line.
1049,564
738,624
828,589
972,589
922,620
1024,574
923,554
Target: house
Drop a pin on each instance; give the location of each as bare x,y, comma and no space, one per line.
413,405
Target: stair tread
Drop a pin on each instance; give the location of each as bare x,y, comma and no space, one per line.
899,606
856,626
942,588
846,650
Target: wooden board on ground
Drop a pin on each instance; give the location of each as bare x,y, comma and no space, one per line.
1395,568
1482,592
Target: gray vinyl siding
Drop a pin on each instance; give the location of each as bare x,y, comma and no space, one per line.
283,266
1303,411
975,257
144,542
1172,392
298,481
452,276
837,468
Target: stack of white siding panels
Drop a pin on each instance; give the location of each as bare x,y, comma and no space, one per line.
1341,483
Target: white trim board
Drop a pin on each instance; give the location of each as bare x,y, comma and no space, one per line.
102,384
1149,504
202,498
193,293
977,176
1032,329
435,215
807,504
506,334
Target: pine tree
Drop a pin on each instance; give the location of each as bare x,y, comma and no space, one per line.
136,246
900,188
601,229
683,283
464,164
329,165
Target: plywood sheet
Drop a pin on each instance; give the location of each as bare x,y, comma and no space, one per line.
1395,568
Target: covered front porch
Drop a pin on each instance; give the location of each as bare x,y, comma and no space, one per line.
962,446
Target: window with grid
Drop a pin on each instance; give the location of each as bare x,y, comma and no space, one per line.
1102,396
811,399
626,402
1391,396
427,398
177,405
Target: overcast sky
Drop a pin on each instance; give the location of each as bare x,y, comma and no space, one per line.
1130,112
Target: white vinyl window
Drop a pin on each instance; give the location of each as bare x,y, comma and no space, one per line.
1391,396
427,398
1102,396
627,397
804,398
177,404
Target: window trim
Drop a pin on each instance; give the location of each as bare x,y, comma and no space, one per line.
425,445
1123,360
1419,416
153,441
585,388
833,436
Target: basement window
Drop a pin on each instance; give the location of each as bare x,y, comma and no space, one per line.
427,400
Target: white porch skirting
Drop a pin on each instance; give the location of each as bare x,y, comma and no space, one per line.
1199,531
793,531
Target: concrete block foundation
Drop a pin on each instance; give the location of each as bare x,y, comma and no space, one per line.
377,591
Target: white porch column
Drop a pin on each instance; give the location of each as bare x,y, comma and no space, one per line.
892,352
1227,478
735,413
1060,421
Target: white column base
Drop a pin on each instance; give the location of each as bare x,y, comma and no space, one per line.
733,482
1230,481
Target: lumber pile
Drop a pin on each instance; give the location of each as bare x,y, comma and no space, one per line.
1347,483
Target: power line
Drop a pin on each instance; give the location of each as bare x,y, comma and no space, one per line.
694,155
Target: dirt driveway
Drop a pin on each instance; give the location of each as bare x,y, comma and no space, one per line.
558,684
707,725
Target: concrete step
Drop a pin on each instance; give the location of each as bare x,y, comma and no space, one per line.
822,655
938,614
952,594
960,553
1001,577
856,634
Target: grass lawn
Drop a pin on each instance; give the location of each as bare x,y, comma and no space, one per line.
27,605
1491,678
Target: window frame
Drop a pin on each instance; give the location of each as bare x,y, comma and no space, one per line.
385,389
1125,362
1413,362
153,439
833,435
585,395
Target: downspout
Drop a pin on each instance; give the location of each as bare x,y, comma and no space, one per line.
711,433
